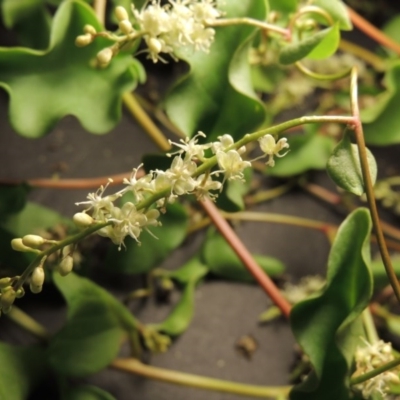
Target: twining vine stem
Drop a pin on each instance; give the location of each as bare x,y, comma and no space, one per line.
358,131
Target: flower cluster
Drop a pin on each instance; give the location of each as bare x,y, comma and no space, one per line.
151,192
181,23
307,286
165,29
370,357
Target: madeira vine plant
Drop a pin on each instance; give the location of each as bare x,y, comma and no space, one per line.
232,48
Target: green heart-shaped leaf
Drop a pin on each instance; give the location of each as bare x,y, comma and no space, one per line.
327,326
313,46
345,169
337,10
96,324
45,86
217,92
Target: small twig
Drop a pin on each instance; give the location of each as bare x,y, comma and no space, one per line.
134,366
240,249
145,121
99,7
372,31
369,191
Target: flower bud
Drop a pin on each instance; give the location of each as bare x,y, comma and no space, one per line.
125,26
104,56
17,245
37,277
82,220
7,298
91,30
20,293
35,289
65,266
83,40
154,45
33,241
4,282
121,13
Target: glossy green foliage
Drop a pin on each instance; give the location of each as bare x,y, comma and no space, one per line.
382,120
88,392
327,326
30,20
21,368
179,319
223,262
298,159
284,6
44,86
216,96
337,10
317,46
96,324
137,259
345,169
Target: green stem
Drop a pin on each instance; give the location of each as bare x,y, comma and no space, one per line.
278,218
358,130
147,124
369,326
61,244
134,366
375,372
264,195
322,77
286,33
28,323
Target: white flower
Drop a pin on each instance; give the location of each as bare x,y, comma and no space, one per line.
99,204
181,23
190,147
180,174
370,357
204,185
272,148
139,187
307,286
225,141
232,164
128,221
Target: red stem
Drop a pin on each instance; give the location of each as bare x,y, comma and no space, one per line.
240,249
372,31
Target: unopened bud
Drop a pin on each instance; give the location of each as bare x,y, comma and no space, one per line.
4,282
20,293
65,266
104,56
121,13
17,245
82,220
125,26
91,30
7,298
35,289
83,40
33,241
154,45
37,277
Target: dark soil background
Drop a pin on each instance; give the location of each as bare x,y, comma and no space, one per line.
224,311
